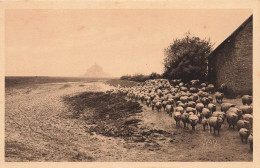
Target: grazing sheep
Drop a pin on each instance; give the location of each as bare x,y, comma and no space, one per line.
225,106
243,124
185,119
216,123
232,119
205,123
177,117
212,107
246,99
250,140
193,120
206,113
219,97
247,109
244,133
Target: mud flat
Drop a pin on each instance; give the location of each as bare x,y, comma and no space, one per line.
79,122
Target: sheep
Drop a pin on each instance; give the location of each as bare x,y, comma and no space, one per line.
219,97
193,120
236,111
184,99
195,97
248,117
199,107
158,106
246,99
244,133
193,90
178,102
203,84
205,113
171,101
232,119
181,84
212,107
219,113
190,109
185,119
177,117
216,123
210,99
247,109
226,106
182,105
184,89
223,88
191,104
194,82
153,104
205,123
211,88
148,102
164,103
180,109
205,101
250,140
204,89
243,124
169,108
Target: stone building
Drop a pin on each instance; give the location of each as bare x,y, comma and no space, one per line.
231,62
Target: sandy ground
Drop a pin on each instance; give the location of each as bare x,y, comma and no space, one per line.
36,130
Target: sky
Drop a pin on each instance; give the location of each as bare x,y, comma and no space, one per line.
122,41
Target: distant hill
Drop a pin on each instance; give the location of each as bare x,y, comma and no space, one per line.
96,71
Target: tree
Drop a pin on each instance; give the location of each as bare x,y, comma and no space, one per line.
186,58
154,75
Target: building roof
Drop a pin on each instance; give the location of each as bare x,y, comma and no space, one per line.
241,27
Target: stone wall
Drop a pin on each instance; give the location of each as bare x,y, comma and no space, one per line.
231,63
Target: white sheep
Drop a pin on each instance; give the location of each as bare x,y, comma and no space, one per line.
216,123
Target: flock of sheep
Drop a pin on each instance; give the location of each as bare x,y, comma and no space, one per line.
192,103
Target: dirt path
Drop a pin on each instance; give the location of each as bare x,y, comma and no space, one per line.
37,130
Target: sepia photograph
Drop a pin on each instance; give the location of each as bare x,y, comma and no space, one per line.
128,85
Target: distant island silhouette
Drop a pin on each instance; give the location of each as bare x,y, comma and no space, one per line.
96,71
